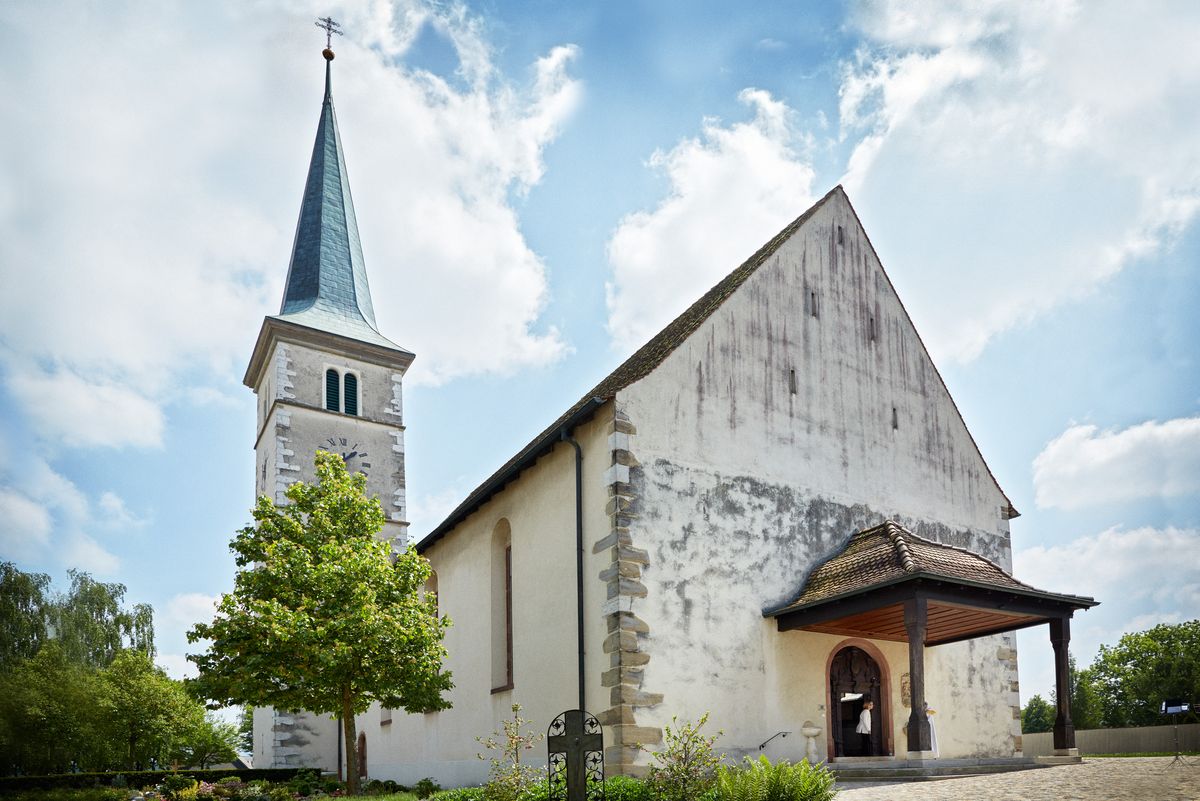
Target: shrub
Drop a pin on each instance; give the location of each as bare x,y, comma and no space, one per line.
685,768
784,781
508,778
426,787
625,788
280,794
460,794
175,784
70,794
305,782
331,786
135,778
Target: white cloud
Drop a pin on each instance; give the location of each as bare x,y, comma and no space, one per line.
81,412
1116,563
1037,147
82,552
1084,465
1141,577
44,515
24,526
149,186
427,510
732,189
185,610
176,666
117,515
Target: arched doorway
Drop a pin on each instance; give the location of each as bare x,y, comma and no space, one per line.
362,754
855,677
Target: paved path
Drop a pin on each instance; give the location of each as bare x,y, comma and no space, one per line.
1131,779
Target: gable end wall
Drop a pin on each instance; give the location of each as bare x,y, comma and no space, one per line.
743,485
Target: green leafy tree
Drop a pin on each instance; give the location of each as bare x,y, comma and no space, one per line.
1085,704
147,713
93,626
245,743
1133,677
49,717
1085,701
508,776
685,767
1037,716
323,615
206,742
23,613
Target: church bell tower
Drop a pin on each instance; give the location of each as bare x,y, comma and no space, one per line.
325,379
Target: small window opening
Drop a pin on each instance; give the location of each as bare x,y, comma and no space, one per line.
812,301
895,419
332,390
871,327
841,236
792,381
350,394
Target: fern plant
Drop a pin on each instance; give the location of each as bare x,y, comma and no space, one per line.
783,781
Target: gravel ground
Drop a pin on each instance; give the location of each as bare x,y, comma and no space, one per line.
1130,779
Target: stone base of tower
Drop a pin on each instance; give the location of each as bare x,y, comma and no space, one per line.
295,740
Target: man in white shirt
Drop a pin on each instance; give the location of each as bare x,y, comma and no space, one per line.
864,728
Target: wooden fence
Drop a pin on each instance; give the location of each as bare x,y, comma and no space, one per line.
1119,741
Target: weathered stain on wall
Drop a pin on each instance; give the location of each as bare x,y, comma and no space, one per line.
803,410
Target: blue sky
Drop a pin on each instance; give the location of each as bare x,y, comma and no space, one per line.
539,187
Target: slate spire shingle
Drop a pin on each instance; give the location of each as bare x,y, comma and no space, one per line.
327,279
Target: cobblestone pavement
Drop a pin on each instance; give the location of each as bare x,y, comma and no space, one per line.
1130,779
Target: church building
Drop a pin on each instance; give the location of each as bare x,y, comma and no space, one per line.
772,513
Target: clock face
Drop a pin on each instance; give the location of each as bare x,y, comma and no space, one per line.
356,459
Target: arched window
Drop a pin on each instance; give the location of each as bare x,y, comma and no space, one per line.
350,394
502,597
362,754
333,390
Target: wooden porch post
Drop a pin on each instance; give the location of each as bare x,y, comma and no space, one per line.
1060,638
916,611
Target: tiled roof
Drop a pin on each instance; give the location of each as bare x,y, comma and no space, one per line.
889,552
636,367
327,279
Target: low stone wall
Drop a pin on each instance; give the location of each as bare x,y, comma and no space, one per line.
1146,739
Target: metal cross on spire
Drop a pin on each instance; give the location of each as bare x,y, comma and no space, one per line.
330,27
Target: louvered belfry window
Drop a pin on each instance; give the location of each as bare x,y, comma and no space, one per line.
332,390
350,394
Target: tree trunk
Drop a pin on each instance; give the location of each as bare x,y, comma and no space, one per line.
351,739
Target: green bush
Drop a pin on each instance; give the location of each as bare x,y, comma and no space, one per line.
280,794
73,794
426,787
461,794
783,781
174,784
539,791
137,778
684,769
625,788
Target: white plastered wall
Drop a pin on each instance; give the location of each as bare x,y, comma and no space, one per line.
540,509
745,486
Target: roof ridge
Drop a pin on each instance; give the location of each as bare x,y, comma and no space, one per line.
637,366
896,534
975,554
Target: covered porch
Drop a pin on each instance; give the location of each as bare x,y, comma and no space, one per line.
891,585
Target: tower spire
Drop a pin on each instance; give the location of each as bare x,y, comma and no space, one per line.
327,278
